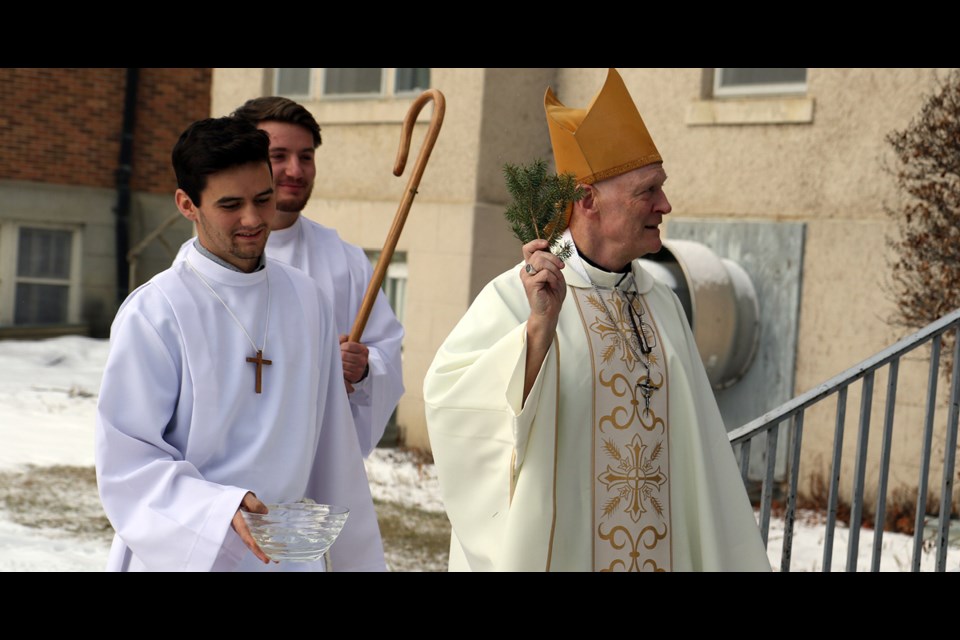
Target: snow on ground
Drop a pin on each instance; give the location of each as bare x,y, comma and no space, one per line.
397,476
809,540
48,398
28,549
48,395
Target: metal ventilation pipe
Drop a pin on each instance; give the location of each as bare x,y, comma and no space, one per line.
720,302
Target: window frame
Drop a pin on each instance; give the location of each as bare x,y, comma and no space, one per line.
9,278
398,271
370,95
388,87
406,93
311,85
766,89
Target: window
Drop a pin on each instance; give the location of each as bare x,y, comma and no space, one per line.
357,81
751,97
412,80
395,282
292,82
751,82
395,289
44,263
395,285
374,82
350,83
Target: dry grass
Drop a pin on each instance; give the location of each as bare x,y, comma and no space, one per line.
60,497
899,511
65,499
413,539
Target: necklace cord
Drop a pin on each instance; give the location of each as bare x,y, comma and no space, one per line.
266,327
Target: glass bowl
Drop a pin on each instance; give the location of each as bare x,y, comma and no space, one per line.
296,531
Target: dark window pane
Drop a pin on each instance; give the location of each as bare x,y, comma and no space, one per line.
412,80
293,82
359,80
44,253
748,77
41,304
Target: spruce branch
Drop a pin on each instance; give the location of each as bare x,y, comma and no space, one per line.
539,205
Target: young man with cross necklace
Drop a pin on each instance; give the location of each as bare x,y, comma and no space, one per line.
372,367
223,390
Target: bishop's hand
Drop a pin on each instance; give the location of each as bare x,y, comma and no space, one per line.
545,287
252,504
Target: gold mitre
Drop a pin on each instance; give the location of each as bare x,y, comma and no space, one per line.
602,141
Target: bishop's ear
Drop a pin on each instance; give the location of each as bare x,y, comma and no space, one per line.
185,205
589,203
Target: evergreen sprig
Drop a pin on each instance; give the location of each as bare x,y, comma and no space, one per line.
539,204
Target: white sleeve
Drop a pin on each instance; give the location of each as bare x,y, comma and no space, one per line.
479,432
161,507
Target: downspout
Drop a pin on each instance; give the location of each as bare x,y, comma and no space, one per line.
123,175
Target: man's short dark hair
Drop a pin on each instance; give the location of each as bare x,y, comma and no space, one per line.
279,109
213,145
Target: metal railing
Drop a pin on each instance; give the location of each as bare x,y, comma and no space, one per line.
771,423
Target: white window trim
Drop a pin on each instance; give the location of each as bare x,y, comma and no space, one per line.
398,271
771,89
9,246
294,96
751,107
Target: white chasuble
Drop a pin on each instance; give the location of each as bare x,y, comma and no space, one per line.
343,272
631,438
182,435
538,485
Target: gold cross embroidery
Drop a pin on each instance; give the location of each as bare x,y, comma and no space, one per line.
635,478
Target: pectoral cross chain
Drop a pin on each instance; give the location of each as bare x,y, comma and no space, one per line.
259,361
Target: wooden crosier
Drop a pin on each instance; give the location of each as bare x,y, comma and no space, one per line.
436,120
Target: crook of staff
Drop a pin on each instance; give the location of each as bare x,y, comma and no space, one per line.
436,120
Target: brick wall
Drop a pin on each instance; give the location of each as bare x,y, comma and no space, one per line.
168,101
63,126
